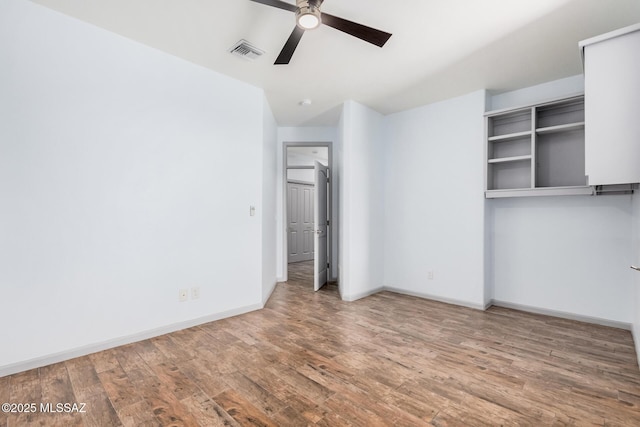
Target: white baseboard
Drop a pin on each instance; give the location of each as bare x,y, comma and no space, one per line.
354,297
636,341
360,295
266,297
520,307
116,342
563,315
453,301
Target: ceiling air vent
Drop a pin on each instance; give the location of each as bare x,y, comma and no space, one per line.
246,50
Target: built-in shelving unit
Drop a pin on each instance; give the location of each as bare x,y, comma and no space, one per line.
536,150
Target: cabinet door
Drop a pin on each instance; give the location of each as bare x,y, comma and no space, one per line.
612,108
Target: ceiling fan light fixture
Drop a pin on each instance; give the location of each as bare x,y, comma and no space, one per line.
308,17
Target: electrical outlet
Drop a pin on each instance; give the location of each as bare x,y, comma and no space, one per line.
183,295
430,275
195,292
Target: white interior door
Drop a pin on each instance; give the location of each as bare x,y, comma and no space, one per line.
320,219
300,199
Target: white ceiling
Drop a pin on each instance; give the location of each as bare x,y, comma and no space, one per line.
439,49
305,156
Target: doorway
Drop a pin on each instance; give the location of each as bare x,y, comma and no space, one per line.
300,221
308,245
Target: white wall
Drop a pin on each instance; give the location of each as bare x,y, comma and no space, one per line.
269,204
339,162
538,93
305,135
361,202
565,254
635,260
116,189
434,209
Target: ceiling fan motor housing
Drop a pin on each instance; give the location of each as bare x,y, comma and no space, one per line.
308,15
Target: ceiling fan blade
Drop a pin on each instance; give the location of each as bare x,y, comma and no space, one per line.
290,46
279,4
368,34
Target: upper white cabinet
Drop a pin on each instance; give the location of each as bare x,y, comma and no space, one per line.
612,107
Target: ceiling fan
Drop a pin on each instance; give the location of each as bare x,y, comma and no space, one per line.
309,16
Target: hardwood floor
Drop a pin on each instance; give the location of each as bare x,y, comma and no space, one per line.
301,273
311,359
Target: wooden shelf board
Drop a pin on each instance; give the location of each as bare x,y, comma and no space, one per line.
510,159
561,128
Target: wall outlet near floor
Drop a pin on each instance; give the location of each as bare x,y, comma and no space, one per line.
195,292
430,275
183,295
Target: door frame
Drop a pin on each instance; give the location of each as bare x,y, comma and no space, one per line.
332,230
321,180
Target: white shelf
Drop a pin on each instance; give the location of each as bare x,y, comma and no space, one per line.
510,159
509,137
560,128
536,151
540,191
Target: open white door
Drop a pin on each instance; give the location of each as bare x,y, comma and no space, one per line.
320,220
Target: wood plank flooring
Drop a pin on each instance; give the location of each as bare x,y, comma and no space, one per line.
310,359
